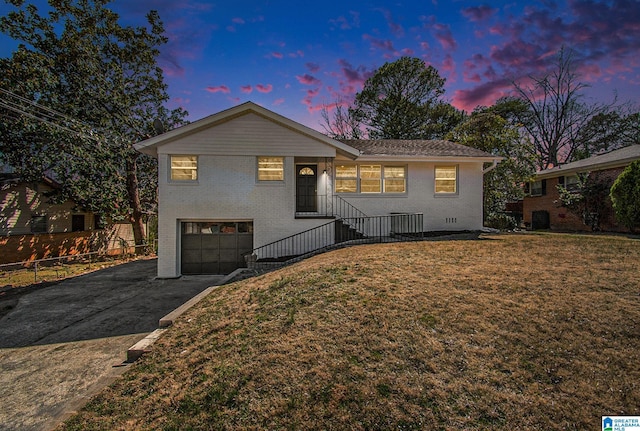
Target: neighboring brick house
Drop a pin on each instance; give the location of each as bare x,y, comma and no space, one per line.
542,208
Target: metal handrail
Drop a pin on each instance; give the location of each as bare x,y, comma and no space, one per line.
385,228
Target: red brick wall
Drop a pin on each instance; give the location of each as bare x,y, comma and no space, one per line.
20,248
561,218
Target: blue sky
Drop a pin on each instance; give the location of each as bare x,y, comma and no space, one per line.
295,57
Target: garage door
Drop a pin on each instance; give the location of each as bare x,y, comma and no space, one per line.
215,247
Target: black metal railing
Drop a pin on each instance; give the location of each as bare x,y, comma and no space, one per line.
338,233
343,209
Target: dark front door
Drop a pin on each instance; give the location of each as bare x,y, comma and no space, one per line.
306,188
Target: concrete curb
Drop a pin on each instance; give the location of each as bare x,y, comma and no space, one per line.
145,345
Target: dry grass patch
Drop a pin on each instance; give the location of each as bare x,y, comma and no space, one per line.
508,332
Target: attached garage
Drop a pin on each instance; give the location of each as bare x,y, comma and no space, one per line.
214,247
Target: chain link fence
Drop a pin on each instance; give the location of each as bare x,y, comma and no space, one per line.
57,268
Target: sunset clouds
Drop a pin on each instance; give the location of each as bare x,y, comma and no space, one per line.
301,58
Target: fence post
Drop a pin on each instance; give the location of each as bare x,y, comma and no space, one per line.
35,272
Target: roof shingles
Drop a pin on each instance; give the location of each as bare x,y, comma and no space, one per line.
423,148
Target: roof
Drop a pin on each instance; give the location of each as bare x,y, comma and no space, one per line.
149,146
382,149
433,149
613,159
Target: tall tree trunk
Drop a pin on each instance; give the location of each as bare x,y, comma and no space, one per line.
134,201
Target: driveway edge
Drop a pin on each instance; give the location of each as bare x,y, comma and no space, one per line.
145,345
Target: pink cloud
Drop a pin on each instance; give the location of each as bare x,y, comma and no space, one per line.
449,66
277,55
264,88
298,53
307,79
278,102
478,13
313,67
218,89
307,101
344,23
237,21
482,95
384,45
354,76
396,29
444,36
247,89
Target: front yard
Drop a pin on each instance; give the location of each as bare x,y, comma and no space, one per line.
529,331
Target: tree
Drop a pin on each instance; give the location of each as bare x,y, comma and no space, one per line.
90,89
607,131
342,125
625,196
556,113
402,101
490,132
588,198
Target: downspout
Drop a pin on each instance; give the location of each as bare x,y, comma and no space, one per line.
492,167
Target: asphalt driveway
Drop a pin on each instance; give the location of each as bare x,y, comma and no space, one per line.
60,344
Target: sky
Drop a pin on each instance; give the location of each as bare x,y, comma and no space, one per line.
294,57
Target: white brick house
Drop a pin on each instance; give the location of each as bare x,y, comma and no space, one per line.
246,177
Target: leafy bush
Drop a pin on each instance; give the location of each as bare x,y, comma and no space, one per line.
501,221
625,196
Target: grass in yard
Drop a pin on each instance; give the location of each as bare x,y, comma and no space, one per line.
507,332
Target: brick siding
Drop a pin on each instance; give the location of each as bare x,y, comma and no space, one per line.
20,248
560,218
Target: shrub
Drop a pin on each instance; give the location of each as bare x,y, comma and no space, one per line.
501,221
625,196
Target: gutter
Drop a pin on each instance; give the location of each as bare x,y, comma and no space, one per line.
492,167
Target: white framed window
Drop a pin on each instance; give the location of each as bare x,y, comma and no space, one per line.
184,168
571,182
371,179
538,188
270,168
446,179
395,179
346,179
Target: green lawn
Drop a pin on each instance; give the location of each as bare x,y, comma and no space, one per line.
507,332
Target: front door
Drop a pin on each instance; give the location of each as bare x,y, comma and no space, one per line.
306,188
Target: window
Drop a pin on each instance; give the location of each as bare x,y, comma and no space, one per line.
77,222
270,168
538,188
39,224
370,179
394,179
184,168
571,182
446,179
346,179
